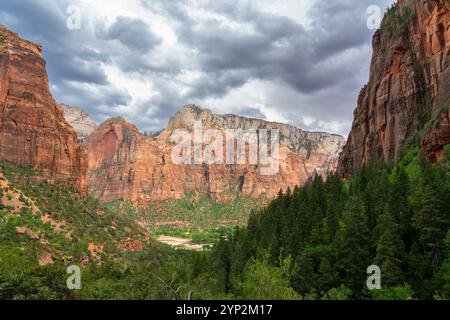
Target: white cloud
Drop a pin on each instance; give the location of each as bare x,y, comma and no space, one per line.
293,61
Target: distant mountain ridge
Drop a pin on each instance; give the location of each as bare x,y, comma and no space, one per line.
126,164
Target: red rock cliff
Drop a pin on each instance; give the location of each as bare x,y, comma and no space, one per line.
409,81
123,163
32,126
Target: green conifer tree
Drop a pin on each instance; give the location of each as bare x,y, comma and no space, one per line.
390,253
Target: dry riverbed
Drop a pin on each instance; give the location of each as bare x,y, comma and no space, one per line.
181,243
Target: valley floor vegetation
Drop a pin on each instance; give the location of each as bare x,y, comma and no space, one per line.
314,242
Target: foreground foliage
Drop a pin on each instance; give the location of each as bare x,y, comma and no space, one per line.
314,242
333,231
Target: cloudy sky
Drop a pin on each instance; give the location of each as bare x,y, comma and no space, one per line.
296,61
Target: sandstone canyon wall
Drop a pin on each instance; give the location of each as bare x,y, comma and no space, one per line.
121,162
125,164
33,130
409,83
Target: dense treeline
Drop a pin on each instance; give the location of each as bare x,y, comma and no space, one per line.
329,232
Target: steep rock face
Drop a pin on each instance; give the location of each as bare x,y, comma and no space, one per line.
123,163
119,159
32,127
409,80
437,137
80,121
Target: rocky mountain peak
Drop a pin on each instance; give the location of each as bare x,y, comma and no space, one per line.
289,135
185,117
80,120
123,163
12,42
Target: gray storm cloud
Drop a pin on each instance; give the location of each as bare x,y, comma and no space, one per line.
305,71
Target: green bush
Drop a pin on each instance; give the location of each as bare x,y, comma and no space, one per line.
396,23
